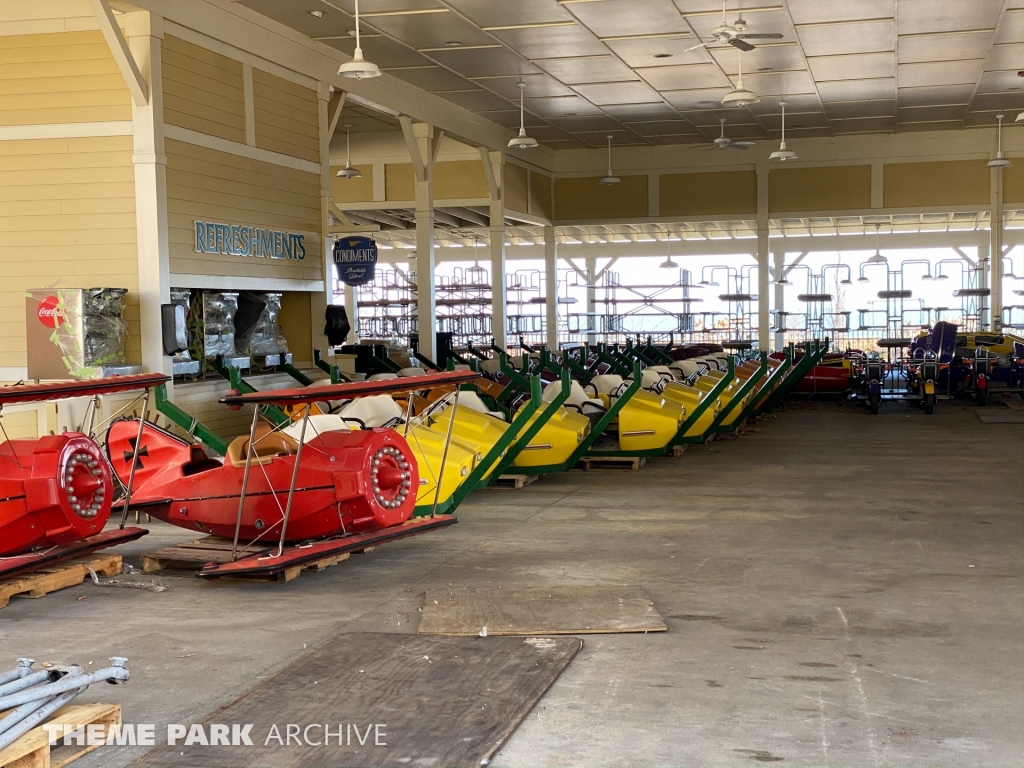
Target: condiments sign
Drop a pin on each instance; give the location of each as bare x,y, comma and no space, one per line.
355,259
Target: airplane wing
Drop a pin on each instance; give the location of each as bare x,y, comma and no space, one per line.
58,390
349,390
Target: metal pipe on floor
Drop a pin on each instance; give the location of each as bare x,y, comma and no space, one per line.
39,716
24,668
116,673
51,675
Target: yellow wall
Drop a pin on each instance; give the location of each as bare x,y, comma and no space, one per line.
20,423
67,213
844,187
203,90
67,77
352,190
517,194
287,120
399,182
296,323
540,195
1013,183
708,194
584,198
215,186
920,185
459,180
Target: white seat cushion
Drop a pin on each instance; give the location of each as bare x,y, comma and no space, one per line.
372,411
382,376
607,383
318,424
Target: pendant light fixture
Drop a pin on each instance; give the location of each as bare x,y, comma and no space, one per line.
782,154
668,263
522,141
877,258
358,68
1000,161
740,97
611,179
348,172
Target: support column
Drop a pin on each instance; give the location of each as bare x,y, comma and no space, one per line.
493,170
984,269
352,310
591,262
423,143
551,288
779,256
319,300
763,323
145,32
996,249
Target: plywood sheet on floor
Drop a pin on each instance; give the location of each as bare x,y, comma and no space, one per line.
539,611
1000,416
444,701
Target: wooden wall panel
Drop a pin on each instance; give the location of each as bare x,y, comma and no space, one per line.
67,77
517,195
540,195
287,119
708,194
835,188
203,90
297,324
20,423
920,185
67,213
352,190
1013,183
209,185
460,180
399,182
584,198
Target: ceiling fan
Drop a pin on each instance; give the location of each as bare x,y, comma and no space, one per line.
724,142
735,34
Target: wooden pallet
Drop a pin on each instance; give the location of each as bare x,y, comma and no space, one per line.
193,555
677,451
33,750
514,482
58,576
621,463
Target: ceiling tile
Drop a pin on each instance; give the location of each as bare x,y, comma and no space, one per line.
619,137
641,51
475,100
689,138
937,125
484,62
430,30
966,45
858,90
934,95
1010,29
769,105
549,133
818,11
561,106
432,79
662,127
658,111
777,57
855,109
1010,101
685,77
618,93
794,121
601,69
488,13
702,98
766,22
734,118
1006,57
801,133
385,6
982,120
545,42
939,73
870,125
594,123
856,66
848,37
295,15
536,86
922,16
510,118
632,17
382,51
996,82
779,83
932,114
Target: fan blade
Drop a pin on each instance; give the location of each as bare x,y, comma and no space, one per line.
761,36
740,144
702,45
743,45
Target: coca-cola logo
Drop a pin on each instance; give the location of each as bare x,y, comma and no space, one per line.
50,313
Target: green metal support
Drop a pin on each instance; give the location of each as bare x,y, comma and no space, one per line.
234,376
191,425
737,400
337,377
295,373
801,369
776,377
705,403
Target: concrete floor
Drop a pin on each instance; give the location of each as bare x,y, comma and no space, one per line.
840,589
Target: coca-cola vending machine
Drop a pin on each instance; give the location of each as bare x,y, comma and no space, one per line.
76,333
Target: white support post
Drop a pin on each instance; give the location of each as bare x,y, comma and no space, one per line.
145,31
494,172
319,300
423,145
984,270
763,322
996,249
126,59
551,288
779,256
352,310
591,262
